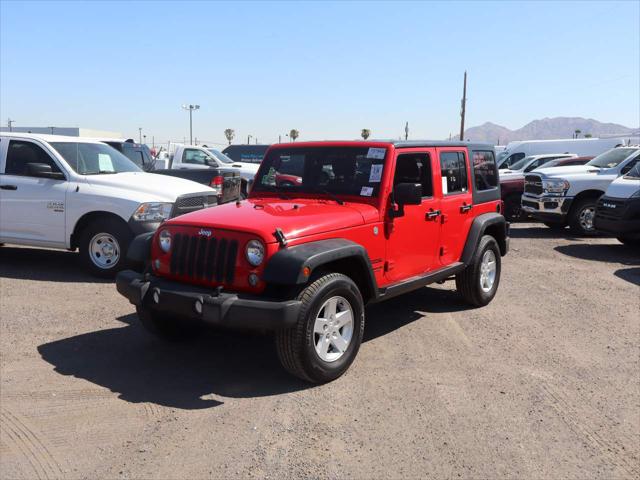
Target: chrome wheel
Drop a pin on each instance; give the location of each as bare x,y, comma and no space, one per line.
488,269
333,329
104,250
586,218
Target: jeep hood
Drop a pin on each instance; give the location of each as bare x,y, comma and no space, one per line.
296,218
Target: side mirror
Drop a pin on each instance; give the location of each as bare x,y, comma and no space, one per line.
406,194
43,170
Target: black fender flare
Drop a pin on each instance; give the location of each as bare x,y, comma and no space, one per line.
140,248
286,266
499,228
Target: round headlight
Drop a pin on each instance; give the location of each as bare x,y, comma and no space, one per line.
255,252
164,239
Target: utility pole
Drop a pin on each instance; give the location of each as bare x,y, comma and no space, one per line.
10,123
51,128
140,133
279,138
153,141
406,131
191,108
249,137
463,107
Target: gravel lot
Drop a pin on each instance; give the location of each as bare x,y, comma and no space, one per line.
542,383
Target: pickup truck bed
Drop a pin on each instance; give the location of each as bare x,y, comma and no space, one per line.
227,180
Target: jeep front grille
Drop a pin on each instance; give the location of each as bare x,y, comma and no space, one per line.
533,184
204,258
193,202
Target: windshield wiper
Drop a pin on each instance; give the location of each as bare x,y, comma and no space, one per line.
330,194
101,172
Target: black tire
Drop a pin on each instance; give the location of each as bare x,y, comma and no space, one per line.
575,221
512,208
296,346
468,281
630,241
555,226
166,327
113,228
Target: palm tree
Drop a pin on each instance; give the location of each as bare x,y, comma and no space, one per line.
293,134
577,132
366,133
230,134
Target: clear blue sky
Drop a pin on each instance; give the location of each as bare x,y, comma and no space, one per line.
327,69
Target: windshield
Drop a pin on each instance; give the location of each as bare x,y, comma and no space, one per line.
634,172
220,156
329,170
520,164
94,158
612,158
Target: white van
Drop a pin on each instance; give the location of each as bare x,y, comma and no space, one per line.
582,147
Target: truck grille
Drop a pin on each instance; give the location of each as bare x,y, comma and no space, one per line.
204,258
533,184
193,202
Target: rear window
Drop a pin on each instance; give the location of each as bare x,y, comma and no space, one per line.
484,170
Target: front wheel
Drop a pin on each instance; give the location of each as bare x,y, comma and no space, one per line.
582,215
327,337
478,283
103,246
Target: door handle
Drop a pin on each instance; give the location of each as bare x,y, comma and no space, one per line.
9,187
431,214
465,208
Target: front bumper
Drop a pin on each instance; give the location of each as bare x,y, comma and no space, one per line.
204,305
546,207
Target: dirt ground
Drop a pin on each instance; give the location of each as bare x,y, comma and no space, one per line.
542,383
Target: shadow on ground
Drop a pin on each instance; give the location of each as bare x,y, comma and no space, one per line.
139,368
611,253
43,265
631,275
541,231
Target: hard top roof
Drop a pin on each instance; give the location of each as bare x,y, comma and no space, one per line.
395,143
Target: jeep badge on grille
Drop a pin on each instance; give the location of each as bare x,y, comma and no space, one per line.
204,233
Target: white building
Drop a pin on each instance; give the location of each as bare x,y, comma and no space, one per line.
68,131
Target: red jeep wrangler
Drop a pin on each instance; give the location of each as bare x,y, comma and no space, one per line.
366,221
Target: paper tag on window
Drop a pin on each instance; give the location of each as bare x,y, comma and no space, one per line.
366,191
104,163
376,173
445,188
376,153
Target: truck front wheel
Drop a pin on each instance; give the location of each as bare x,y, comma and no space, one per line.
581,217
478,283
327,337
103,246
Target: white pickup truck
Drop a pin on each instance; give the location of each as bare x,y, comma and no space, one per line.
195,157
73,193
569,195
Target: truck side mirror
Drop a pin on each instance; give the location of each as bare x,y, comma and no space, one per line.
406,194
43,170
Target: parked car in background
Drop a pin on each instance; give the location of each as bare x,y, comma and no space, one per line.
568,195
303,260
246,153
531,163
618,210
138,153
567,162
516,151
75,193
191,157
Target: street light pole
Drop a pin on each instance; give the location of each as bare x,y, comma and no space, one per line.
10,123
191,108
140,133
249,139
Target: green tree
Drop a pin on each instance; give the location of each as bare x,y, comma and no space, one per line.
577,133
294,134
366,133
230,134
588,135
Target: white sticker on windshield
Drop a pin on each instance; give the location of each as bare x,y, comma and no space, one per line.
445,188
376,153
376,173
366,191
104,163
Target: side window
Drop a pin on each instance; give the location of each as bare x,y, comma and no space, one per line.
196,157
627,168
535,164
484,170
415,168
20,154
453,169
512,159
133,154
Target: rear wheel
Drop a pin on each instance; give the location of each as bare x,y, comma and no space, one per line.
478,283
581,217
327,337
103,246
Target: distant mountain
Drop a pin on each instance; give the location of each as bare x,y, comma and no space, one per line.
545,129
